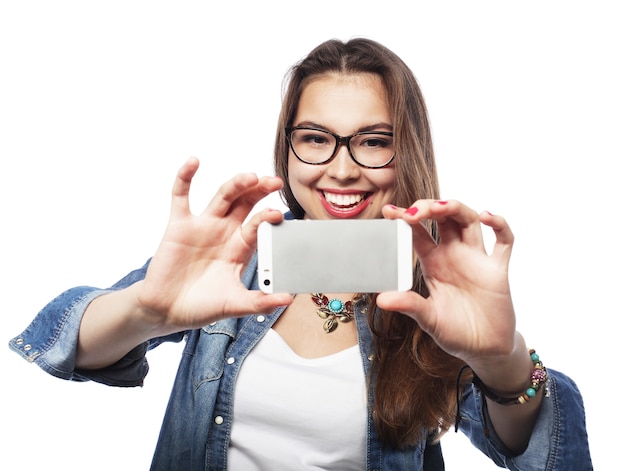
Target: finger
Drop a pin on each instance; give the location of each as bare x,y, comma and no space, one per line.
504,235
242,206
250,229
423,240
456,221
240,194
182,184
221,204
268,302
409,303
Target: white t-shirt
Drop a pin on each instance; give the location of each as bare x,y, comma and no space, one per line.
293,413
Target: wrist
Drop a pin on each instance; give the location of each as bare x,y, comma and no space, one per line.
152,321
534,385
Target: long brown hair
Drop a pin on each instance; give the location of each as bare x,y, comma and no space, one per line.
415,380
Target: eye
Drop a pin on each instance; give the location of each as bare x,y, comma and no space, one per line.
375,141
311,138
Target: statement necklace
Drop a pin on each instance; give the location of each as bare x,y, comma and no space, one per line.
334,310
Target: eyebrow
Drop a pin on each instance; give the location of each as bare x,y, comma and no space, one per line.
371,127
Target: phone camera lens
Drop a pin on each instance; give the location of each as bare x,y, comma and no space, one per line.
266,282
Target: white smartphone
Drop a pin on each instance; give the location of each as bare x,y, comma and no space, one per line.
336,256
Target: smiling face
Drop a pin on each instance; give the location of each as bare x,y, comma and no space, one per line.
344,105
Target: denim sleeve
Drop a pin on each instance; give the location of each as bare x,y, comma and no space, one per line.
51,339
559,440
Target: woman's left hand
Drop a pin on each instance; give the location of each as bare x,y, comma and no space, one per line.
469,311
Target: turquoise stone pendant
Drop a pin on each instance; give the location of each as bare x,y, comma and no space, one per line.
333,310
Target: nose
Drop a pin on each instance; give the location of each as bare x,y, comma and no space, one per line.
342,166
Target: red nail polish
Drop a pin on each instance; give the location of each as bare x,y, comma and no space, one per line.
411,211
392,206
441,202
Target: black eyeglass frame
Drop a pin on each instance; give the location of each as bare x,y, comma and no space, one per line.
339,140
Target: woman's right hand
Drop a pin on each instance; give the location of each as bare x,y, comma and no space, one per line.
194,277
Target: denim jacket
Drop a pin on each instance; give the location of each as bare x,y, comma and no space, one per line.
204,389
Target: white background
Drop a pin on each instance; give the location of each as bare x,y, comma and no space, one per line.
101,102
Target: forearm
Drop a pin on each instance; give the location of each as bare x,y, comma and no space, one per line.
509,378
112,325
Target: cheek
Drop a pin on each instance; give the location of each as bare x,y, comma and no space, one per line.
384,179
301,174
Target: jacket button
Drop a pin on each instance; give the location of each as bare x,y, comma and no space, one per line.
260,318
219,420
230,361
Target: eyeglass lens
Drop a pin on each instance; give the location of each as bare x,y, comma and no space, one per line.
316,146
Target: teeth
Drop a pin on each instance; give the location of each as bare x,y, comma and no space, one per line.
344,200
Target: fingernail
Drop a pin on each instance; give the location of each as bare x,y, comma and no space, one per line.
441,202
411,211
392,206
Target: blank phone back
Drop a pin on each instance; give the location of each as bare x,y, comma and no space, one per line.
337,256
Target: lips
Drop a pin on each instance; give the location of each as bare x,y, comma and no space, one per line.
344,201
345,205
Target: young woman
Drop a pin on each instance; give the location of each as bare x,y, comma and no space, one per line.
261,384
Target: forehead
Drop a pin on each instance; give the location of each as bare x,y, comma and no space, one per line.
341,84
344,100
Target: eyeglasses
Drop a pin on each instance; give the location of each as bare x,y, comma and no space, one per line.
318,146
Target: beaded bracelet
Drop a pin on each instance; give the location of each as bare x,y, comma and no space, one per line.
538,378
